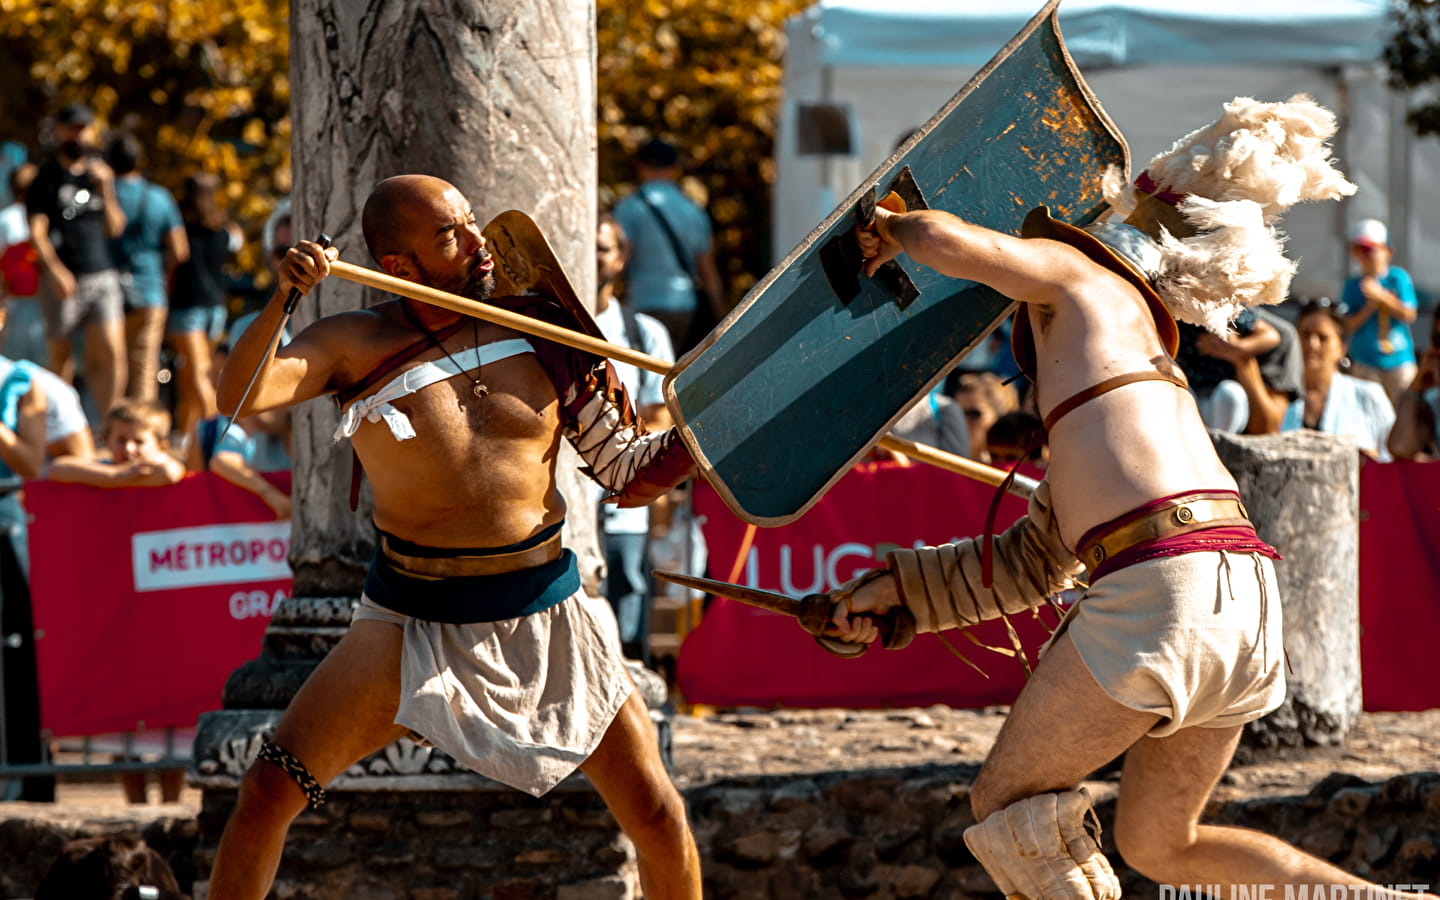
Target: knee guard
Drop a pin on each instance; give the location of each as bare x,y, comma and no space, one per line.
1045,847
943,587
291,765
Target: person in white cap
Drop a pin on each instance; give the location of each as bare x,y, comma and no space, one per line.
1379,306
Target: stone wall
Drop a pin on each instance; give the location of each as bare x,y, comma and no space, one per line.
879,835
448,845
897,834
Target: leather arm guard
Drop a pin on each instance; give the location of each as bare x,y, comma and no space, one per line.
943,588
1045,847
634,465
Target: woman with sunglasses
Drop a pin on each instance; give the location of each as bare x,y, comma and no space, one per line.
1333,402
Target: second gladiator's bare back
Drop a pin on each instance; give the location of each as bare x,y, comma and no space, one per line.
479,471
1131,445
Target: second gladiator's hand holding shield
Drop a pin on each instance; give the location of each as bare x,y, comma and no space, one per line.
877,245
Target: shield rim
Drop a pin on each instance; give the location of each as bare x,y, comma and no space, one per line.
1048,15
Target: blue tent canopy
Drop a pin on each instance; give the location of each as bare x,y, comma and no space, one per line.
1101,32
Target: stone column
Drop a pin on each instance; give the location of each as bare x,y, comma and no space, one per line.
1302,490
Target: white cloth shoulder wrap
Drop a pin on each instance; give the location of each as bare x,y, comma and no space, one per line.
942,585
376,407
1043,848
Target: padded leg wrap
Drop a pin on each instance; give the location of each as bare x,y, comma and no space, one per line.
291,765
942,585
1045,847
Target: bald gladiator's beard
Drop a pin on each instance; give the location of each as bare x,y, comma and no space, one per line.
478,285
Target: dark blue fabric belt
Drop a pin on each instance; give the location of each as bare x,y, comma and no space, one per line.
463,600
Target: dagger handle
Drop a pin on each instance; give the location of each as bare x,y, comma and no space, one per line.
897,626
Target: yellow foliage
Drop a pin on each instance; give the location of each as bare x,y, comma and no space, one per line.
203,83
704,75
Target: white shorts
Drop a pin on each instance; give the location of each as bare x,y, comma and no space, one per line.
1195,638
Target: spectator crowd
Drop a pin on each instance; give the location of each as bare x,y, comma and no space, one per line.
118,302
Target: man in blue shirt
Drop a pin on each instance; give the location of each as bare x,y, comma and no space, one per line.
152,245
1379,307
671,274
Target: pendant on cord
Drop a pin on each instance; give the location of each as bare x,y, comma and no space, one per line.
480,390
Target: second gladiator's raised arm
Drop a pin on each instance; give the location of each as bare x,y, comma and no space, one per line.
300,370
1031,271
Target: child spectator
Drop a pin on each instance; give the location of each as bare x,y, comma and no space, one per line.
1379,305
137,444
1015,437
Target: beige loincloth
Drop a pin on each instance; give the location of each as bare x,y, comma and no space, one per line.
1195,638
522,701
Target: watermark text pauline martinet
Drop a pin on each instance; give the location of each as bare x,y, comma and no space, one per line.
1289,891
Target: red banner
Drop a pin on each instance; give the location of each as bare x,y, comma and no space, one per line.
146,599
742,656
1399,584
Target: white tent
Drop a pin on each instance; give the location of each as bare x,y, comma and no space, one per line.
1161,68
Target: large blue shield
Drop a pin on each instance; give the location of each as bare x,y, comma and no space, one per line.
817,362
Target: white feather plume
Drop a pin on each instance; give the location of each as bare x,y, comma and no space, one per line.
1118,192
1274,154
1239,175
1236,260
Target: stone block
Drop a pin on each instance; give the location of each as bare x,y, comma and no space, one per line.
1376,843
915,881
520,818
1328,843
752,851
1351,803
587,818
824,845
369,822
444,818
610,887
801,792
466,857
613,854
543,856
515,889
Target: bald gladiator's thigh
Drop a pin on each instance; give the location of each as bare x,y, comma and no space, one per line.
346,708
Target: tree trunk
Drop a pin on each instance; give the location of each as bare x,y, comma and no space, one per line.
496,97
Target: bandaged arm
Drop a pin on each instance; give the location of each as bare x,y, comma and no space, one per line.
942,586
634,465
